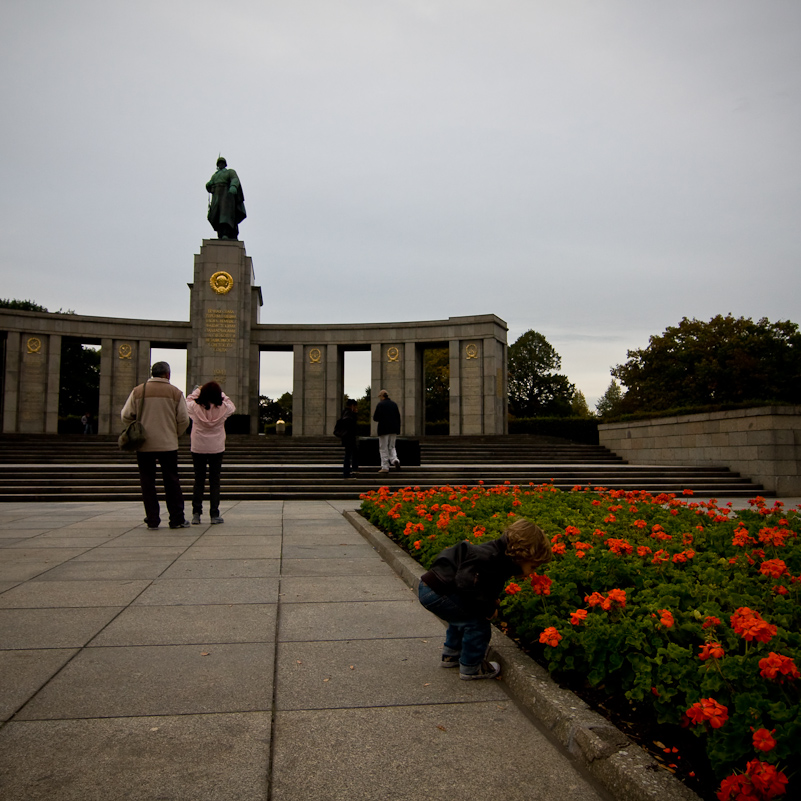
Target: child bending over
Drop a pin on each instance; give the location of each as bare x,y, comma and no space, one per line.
463,588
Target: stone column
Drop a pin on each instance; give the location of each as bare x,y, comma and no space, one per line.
412,403
389,369
33,398
53,383
455,397
222,314
11,382
129,366
318,386
105,425
495,417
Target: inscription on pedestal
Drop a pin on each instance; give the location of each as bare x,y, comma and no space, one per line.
220,329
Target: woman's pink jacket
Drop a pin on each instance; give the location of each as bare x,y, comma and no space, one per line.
208,425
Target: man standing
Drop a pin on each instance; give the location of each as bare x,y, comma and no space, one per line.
164,417
387,415
227,204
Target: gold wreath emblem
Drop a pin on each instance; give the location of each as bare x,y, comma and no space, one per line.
34,345
393,354
125,351
472,351
221,282
315,356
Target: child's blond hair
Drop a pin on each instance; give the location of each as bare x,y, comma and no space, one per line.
526,541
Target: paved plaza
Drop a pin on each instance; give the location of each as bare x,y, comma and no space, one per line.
276,656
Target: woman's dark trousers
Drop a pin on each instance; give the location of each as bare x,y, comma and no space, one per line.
202,461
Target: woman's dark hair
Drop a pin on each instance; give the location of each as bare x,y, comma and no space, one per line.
210,394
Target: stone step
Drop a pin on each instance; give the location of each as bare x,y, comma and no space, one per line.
259,468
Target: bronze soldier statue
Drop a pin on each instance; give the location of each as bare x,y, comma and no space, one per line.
227,203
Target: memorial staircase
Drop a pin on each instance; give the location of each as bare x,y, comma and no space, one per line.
92,468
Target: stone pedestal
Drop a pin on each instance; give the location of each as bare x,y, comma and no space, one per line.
224,308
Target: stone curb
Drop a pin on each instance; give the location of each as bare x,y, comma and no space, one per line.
620,766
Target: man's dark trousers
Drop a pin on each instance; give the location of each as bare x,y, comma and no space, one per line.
172,486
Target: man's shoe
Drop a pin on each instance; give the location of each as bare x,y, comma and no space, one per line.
151,528
396,464
487,670
195,520
184,524
215,520
449,661
384,470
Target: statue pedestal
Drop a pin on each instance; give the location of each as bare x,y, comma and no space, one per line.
225,306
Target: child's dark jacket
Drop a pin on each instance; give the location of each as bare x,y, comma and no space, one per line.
475,574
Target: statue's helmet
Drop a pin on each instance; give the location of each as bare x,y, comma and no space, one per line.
222,161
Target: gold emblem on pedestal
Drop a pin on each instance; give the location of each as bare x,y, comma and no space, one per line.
222,282
34,344
393,354
125,351
471,351
315,356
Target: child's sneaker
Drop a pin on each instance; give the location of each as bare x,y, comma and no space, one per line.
486,670
449,661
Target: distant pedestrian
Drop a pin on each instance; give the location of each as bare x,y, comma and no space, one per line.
164,417
209,407
348,427
463,588
86,422
387,415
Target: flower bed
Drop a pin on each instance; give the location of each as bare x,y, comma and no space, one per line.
685,614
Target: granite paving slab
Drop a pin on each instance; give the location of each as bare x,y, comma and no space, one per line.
420,752
182,625
360,673
314,537
197,757
61,540
141,537
127,569
145,552
21,571
53,628
269,550
223,568
158,680
23,672
177,592
370,565
310,589
292,551
32,552
356,620
44,594
237,540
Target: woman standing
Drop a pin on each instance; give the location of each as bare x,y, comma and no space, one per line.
208,407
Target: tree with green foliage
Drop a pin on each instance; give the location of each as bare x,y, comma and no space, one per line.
79,389
437,381
728,360
271,411
579,406
21,305
28,305
535,388
609,403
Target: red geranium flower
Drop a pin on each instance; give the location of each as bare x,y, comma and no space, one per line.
763,740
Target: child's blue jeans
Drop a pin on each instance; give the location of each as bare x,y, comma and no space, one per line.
467,637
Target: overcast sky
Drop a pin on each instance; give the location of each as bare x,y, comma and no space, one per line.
593,170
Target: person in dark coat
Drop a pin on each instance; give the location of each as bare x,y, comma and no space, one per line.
463,585
387,415
350,439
